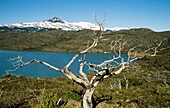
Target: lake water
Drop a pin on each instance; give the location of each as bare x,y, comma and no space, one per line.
54,58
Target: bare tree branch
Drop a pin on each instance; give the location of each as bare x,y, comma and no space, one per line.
82,52
156,49
18,63
82,74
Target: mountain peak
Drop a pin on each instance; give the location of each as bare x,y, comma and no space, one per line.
54,23
55,20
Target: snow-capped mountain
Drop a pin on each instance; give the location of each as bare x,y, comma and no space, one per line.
53,24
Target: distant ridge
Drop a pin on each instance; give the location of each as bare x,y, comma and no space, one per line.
76,41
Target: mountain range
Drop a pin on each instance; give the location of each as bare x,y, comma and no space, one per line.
54,23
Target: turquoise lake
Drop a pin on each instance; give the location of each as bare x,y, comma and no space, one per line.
56,59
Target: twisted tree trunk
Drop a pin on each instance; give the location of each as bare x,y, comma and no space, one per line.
87,98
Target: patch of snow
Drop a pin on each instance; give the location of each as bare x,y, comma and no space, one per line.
117,28
86,25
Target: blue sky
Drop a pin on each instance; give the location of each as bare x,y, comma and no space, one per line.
154,14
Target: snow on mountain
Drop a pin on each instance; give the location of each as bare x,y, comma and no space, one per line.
87,25
116,28
53,24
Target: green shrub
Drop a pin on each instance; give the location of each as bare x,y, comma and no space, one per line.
73,96
48,101
163,91
134,82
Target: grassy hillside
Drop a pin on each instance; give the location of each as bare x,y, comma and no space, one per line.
74,41
149,86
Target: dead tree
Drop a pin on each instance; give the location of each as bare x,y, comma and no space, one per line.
102,70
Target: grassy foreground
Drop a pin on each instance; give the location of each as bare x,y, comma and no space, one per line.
149,86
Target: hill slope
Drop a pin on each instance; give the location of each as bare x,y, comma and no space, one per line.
74,41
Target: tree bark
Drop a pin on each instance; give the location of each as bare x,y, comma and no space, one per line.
87,98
